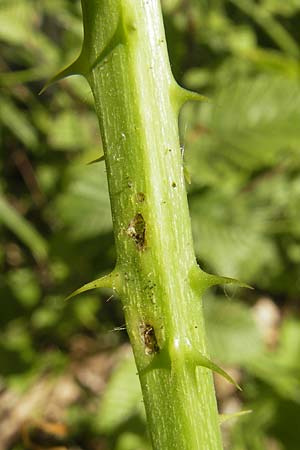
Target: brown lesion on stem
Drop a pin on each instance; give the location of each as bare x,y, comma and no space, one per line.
140,197
148,336
137,230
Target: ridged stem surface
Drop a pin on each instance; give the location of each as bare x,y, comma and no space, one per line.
125,61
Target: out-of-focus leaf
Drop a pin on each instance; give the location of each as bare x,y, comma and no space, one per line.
235,213
44,318
132,441
228,235
250,124
23,229
27,33
86,310
16,121
232,334
281,370
285,8
289,350
25,286
16,351
69,131
84,207
20,12
271,26
122,397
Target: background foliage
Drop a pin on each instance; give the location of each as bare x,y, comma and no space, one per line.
61,363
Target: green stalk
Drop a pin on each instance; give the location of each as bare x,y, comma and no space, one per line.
124,58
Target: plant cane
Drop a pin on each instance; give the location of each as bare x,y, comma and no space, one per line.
125,61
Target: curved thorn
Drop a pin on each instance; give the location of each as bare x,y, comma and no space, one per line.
180,95
187,174
76,68
188,95
213,280
201,280
108,281
203,361
224,417
100,159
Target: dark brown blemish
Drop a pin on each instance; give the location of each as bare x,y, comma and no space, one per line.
174,184
149,339
140,197
149,291
136,230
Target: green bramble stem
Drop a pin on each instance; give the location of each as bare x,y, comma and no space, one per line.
124,58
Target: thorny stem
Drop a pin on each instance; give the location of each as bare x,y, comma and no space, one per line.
124,58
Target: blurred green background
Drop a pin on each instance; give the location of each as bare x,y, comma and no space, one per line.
66,372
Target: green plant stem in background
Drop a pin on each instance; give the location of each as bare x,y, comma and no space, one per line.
124,58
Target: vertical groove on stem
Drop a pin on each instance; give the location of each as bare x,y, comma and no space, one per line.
125,60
